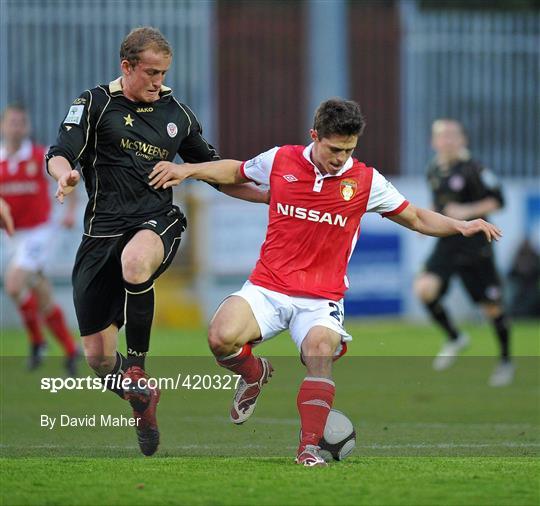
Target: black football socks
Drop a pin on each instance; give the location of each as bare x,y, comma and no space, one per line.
503,335
113,379
438,313
139,313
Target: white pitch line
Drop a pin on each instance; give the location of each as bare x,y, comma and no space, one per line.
133,447
419,425
501,444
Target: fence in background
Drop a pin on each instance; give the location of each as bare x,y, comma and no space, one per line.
52,50
479,66
244,67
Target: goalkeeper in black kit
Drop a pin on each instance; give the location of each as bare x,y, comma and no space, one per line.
463,189
117,132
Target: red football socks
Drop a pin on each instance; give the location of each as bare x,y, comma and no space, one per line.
244,363
57,325
30,317
314,402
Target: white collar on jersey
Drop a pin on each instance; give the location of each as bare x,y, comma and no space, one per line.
116,86
24,153
307,155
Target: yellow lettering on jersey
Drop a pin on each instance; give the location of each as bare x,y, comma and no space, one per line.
144,150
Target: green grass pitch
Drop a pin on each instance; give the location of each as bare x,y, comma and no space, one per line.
422,437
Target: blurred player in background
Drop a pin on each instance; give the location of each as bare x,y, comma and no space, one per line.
463,189
24,190
318,195
117,132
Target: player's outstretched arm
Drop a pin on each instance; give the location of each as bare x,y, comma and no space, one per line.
6,220
167,174
249,192
67,178
431,223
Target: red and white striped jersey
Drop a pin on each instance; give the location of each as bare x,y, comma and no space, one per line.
314,220
24,185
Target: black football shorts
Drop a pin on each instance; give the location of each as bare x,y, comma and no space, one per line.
98,286
477,271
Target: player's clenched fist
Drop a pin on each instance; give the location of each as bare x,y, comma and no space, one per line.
66,184
166,174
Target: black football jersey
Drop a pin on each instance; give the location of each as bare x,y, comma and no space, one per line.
117,143
464,182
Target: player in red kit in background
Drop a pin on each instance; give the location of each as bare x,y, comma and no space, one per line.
24,191
318,195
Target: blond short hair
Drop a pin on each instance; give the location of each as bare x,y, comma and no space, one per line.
139,40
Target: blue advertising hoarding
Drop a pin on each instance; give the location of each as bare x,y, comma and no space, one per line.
375,276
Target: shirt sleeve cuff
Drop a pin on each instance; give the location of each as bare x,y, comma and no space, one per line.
397,210
243,172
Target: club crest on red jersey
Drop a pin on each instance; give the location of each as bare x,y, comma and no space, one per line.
31,168
348,188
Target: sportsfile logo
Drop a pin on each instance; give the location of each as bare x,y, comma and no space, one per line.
302,213
54,385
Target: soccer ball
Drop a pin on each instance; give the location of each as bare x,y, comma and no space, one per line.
339,437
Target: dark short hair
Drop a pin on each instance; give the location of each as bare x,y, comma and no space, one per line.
338,117
139,40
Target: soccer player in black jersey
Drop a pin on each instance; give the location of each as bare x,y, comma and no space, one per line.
463,189
117,132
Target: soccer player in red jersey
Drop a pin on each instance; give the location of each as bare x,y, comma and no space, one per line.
24,190
318,195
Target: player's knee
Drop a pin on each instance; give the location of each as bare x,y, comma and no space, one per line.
15,285
101,364
492,310
221,339
13,290
320,346
425,289
135,268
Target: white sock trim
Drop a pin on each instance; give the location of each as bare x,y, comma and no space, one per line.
324,380
229,357
140,293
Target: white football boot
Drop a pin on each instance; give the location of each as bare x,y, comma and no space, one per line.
503,374
449,352
310,457
245,398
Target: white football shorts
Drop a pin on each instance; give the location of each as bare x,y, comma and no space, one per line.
276,312
30,249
